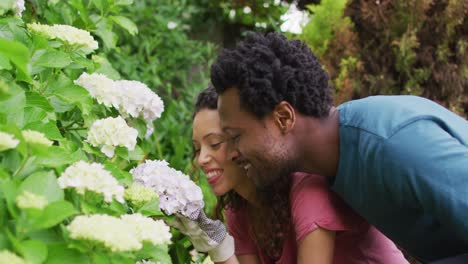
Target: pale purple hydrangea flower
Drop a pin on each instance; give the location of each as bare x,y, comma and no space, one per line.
177,193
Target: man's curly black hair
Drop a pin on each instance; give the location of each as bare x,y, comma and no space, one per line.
268,69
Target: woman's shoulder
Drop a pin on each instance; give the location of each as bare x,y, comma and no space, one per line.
314,203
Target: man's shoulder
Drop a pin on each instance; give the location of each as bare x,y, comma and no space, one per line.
382,116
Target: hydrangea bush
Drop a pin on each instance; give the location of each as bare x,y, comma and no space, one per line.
74,137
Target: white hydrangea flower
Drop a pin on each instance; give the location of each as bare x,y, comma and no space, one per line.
100,87
66,33
177,193
171,25
294,20
115,234
7,141
247,10
28,200
148,230
111,132
131,98
126,233
36,137
93,177
232,14
19,7
138,194
7,257
138,100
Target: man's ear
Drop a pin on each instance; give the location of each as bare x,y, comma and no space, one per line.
284,116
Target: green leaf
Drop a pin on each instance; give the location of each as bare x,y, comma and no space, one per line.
19,55
36,100
33,114
54,59
57,156
64,89
104,31
122,176
49,129
60,253
136,154
14,106
9,190
34,251
151,209
126,23
53,214
5,62
43,183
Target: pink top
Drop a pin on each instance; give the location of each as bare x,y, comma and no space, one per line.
314,205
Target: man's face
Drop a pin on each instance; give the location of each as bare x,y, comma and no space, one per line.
257,145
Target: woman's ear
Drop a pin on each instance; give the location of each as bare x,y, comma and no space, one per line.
284,116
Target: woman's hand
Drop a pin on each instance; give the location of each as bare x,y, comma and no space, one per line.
207,235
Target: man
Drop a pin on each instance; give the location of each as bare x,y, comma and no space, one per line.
399,161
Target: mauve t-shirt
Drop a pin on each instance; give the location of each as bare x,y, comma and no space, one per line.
313,205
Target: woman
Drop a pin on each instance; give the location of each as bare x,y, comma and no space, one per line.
300,221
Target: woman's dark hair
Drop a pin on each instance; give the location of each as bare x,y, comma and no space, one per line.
271,216
268,69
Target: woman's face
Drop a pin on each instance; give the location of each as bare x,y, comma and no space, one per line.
211,153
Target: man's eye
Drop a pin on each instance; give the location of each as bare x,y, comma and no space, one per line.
235,139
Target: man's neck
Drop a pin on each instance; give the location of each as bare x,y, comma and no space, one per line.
320,142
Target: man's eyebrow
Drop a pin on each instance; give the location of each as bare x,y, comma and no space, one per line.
212,134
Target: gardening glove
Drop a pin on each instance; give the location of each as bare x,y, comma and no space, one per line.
207,235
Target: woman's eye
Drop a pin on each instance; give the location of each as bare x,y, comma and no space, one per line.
216,145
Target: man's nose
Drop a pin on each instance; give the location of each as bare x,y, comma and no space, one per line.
234,154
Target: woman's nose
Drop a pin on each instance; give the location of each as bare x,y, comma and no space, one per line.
203,158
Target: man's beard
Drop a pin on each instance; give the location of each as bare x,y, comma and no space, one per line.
269,176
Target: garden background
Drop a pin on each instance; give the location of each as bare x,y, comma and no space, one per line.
414,47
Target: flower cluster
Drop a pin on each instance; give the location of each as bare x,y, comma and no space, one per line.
7,141
131,98
111,132
139,195
137,100
294,20
19,7
177,193
28,200
92,177
36,137
148,230
7,257
100,87
71,35
126,233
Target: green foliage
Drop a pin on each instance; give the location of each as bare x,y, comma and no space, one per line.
397,47
37,92
325,19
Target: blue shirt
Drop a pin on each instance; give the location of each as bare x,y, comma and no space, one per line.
404,167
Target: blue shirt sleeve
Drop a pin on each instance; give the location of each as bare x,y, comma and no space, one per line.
431,166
